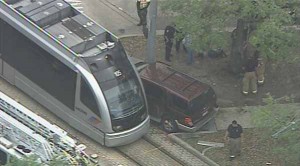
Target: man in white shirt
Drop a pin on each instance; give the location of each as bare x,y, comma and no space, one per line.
142,7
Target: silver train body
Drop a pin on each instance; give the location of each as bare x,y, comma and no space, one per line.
74,67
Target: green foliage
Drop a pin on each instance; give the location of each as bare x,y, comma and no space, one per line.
33,161
204,25
58,161
26,161
207,20
277,120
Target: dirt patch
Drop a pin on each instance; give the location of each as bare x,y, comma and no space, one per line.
281,78
256,150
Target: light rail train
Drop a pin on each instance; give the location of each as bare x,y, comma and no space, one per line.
74,67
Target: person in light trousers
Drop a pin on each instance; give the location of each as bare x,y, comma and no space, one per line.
187,42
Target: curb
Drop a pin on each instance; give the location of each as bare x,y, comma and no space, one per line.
158,32
192,135
192,150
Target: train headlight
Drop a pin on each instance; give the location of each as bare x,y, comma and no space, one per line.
118,128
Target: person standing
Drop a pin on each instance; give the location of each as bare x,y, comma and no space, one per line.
179,38
142,9
187,42
250,79
169,37
233,136
260,71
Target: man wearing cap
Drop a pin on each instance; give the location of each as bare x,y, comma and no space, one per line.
142,6
233,136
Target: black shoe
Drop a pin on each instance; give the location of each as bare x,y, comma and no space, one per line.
231,158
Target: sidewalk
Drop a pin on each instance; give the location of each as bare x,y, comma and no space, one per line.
119,16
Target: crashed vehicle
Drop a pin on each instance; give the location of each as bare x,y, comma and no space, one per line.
176,100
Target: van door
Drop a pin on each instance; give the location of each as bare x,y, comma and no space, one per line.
178,106
155,98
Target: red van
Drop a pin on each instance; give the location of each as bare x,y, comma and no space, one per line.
176,100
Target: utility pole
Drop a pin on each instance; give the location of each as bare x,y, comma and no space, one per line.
151,49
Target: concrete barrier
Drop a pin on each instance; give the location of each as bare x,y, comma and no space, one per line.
192,150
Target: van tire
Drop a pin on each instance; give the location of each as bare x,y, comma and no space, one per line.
169,125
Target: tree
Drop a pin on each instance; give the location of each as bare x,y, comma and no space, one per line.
282,123
26,161
33,161
265,24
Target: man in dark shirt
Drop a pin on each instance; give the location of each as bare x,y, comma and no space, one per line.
233,135
169,37
250,79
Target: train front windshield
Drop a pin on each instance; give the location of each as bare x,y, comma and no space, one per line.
121,88
124,99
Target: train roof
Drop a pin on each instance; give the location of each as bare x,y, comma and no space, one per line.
62,23
176,82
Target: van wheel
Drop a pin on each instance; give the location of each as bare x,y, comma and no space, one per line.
169,125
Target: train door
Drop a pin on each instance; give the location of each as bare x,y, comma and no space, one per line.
6,35
86,107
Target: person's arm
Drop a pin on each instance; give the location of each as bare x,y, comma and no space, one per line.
166,34
166,39
241,133
138,5
226,138
242,137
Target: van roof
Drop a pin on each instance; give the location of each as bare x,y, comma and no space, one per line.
176,82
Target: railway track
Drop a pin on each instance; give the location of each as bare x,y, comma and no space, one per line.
156,148
145,154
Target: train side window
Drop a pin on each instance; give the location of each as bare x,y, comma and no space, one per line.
87,97
3,157
1,29
39,66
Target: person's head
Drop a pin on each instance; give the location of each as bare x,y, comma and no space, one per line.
234,123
